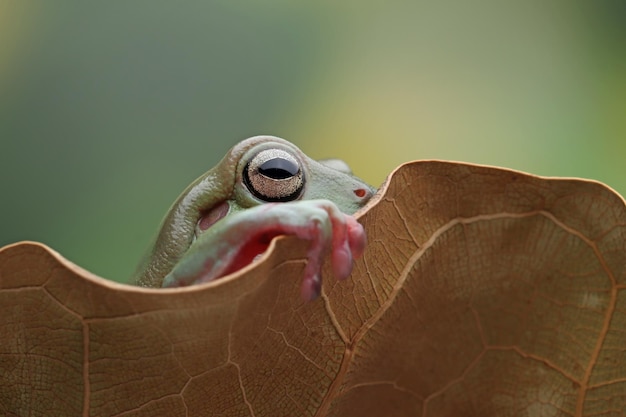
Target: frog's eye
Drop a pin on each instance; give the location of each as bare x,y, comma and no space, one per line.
274,175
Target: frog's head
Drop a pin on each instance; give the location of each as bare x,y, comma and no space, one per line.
258,170
271,169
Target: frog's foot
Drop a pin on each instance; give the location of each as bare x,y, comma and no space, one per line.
237,239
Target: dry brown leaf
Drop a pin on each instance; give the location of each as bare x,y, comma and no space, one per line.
483,292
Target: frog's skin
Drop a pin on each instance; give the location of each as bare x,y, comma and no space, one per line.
263,187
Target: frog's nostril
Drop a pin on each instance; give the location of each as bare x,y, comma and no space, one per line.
360,192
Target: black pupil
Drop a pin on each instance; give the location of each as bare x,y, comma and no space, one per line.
278,169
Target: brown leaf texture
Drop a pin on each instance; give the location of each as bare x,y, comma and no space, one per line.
483,292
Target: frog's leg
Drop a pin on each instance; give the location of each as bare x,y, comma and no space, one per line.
237,239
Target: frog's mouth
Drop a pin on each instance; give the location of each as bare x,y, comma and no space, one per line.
319,221
234,253
249,249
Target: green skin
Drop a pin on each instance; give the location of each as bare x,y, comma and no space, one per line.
221,222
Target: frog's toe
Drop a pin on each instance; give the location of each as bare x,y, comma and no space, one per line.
311,287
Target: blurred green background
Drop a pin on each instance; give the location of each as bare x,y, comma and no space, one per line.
109,109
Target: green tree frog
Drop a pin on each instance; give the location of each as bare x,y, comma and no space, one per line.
263,187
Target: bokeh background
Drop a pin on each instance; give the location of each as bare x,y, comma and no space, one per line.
109,109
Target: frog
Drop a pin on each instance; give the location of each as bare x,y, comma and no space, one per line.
263,187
